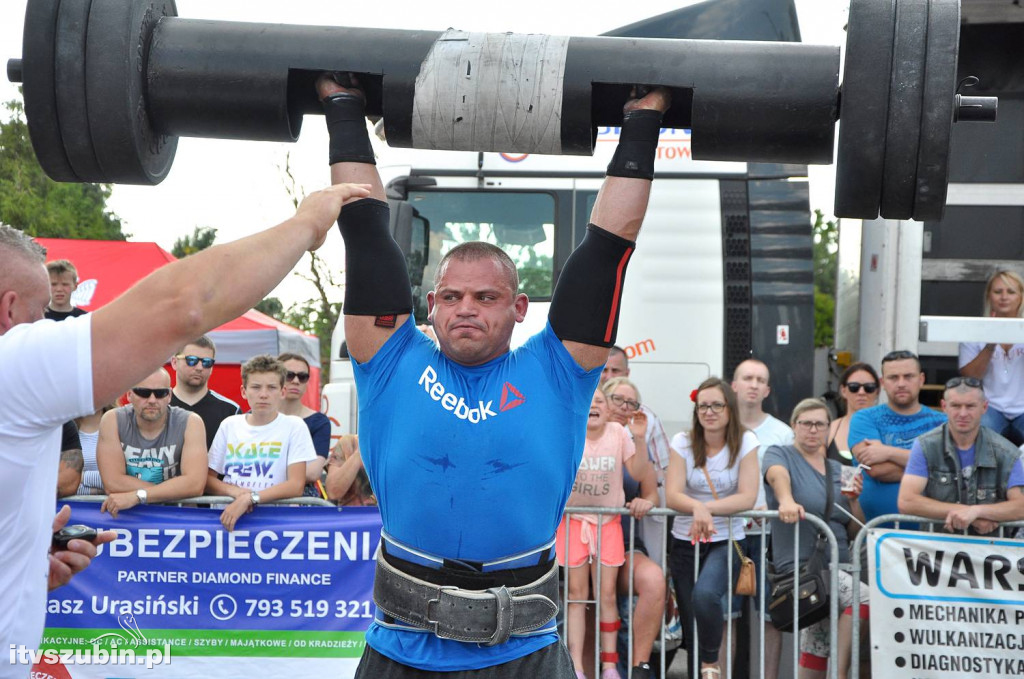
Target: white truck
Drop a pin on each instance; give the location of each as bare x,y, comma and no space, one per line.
722,270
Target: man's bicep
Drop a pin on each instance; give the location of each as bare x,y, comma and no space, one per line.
194,458
154,336
109,456
912,486
365,335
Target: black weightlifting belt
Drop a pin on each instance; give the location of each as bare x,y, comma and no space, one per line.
484,616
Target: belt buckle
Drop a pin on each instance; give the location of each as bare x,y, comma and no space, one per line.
502,616
435,623
502,613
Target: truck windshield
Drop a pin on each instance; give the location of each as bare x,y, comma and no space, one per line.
521,223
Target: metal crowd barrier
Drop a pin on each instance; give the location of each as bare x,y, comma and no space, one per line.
856,565
727,662
214,499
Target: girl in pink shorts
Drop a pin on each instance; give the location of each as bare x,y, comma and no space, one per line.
599,484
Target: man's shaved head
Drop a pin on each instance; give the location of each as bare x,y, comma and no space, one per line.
24,283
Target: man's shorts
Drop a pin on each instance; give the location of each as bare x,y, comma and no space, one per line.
583,542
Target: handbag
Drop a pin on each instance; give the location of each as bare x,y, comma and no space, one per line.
746,579
812,600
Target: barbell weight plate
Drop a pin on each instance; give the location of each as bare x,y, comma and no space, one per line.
937,110
40,99
906,89
69,89
129,151
864,107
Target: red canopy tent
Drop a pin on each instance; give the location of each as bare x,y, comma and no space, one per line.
108,268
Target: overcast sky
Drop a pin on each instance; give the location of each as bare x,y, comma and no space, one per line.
237,187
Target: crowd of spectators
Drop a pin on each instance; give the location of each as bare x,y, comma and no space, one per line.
150,450
899,455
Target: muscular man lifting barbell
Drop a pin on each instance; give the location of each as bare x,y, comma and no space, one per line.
471,491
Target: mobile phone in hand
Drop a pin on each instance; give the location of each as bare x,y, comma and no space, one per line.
77,532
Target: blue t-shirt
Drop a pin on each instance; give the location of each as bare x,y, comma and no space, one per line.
320,431
884,424
917,465
472,463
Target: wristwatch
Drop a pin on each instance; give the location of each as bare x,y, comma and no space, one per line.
254,497
142,495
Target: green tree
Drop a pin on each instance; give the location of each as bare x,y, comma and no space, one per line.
271,306
826,260
39,206
202,237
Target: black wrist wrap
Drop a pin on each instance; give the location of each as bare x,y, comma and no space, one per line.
585,304
638,142
346,123
376,276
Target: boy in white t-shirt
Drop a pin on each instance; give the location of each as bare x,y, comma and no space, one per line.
262,455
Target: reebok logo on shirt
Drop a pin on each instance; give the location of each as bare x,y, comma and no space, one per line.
452,403
510,398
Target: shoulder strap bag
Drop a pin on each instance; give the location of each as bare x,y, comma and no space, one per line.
746,579
813,597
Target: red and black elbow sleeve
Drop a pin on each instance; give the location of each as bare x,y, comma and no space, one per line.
376,273
585,304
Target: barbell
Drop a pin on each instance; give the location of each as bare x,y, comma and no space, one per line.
110,85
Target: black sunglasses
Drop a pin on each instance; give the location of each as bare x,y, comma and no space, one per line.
191,361
972,382
303,377
142,392
868,387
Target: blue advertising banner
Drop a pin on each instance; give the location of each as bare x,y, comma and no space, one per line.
291,583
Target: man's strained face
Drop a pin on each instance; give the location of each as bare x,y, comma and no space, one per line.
474,310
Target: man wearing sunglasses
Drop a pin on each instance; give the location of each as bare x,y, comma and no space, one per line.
193,366
53,372
963,473
150,451
881,437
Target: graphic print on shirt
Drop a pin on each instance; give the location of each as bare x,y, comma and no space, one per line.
595,476
251,463
457,405
510,398
151,464
725,480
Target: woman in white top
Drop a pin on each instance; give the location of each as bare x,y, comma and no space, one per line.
1000,366
716,453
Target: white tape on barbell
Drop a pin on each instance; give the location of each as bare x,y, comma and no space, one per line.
497,92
